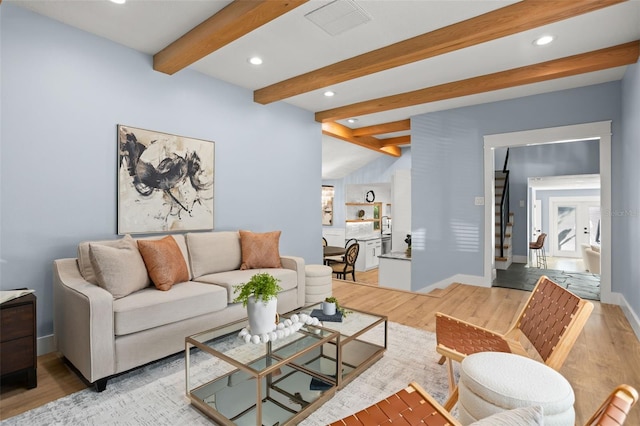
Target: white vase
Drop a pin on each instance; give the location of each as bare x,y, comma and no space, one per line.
328,308
262,316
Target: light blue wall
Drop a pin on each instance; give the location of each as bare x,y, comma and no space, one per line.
626,207
575,158
447,171
378,171
63,93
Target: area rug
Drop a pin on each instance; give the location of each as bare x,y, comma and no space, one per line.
155,394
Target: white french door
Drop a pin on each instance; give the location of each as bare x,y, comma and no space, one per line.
574,221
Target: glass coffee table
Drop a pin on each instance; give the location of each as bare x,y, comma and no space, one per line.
362,342
279,382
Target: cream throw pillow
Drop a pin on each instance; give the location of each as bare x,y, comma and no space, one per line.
260,250
119,268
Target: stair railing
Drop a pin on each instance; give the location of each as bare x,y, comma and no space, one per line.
504,204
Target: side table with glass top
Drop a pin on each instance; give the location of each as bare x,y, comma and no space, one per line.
279,382
362,342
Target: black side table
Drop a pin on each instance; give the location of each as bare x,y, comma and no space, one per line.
18,352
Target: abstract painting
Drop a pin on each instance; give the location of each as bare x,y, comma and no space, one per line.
165,182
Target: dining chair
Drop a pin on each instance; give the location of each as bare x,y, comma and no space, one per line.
348,266
324,242
551,320
328,260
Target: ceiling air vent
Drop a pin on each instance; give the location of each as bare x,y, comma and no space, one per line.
338,16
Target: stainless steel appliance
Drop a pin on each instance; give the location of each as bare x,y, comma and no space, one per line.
386,243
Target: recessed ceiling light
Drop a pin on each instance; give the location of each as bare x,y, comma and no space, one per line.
255,60
329,93
352,120
544,40
119,1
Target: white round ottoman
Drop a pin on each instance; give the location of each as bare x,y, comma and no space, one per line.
491,382
317,283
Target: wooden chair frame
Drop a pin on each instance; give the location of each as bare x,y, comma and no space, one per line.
614,410
349,266
413,405
551,320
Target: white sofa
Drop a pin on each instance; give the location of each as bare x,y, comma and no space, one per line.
591,258
103,336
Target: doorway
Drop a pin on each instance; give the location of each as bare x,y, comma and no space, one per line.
574,221
572,133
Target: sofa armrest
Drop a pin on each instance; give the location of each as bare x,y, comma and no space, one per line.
83,321
296,264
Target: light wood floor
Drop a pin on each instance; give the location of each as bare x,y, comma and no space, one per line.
606,354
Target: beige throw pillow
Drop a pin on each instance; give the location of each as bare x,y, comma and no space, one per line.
260,250
119,268
164,261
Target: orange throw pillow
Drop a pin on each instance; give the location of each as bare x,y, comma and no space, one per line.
260,250
164,261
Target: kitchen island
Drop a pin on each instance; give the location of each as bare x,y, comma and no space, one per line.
394,271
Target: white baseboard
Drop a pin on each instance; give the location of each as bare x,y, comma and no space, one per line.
46,344
459,278
520,259
631,315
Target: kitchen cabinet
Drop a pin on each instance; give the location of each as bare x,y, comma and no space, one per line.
364,212
368,254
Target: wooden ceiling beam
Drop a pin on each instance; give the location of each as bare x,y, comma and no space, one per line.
400,140
616,56
508,20
380,129
238,18
344,133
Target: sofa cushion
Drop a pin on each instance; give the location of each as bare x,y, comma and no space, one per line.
119,268
211,252
164,262
288,279
84,261
149,308
260,250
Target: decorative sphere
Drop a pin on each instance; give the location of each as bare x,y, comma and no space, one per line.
244,332
287,332
288,322
280,334
273,336
280,326
264,338
315,321
303,317
255,339
297,326
295,318
247,338
309,320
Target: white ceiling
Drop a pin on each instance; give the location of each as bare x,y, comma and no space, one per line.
291,45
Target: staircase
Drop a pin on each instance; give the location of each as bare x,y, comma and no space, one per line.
503,249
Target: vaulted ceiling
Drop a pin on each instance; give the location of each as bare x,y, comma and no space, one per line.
385,60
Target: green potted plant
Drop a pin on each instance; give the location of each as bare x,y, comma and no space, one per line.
259,296
330,306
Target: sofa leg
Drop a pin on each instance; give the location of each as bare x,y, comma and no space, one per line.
100,385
